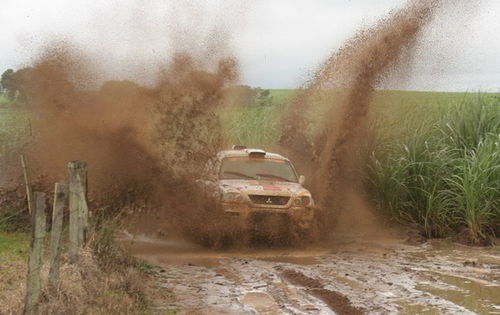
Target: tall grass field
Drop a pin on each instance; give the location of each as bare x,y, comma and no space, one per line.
441,170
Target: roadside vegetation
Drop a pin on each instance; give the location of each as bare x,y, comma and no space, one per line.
438,166
104,280
114,282
14,249
14,133
101,282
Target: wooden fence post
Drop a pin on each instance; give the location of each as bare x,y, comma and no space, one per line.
78,209
35,260
60,196
27,182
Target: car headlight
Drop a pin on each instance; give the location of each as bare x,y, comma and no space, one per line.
232,197
302,201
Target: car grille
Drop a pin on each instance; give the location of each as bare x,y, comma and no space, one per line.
269,200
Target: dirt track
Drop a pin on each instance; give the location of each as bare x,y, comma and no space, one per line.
343,276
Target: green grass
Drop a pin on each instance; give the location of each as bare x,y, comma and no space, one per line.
438,166
14,121
4,100
14,135
282,96
14,132
254,127
13,247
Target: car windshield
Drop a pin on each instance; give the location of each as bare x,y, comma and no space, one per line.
257,168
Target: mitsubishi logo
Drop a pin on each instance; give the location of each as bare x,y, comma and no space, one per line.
268,201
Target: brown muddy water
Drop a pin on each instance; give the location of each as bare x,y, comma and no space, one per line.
343,276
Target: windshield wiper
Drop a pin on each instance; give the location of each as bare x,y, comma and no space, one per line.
274,176
238,174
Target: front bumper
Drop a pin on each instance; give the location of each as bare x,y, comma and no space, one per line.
300,216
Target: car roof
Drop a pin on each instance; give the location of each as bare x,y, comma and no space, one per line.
246,152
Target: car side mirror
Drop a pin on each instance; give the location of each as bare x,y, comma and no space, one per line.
302,179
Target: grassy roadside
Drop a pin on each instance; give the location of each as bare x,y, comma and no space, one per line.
105,280
13,267
440,169
14,135
13,247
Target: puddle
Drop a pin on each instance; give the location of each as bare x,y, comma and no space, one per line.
180,252
383,278
472,295
174,252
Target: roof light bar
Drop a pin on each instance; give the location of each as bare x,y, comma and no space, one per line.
256,152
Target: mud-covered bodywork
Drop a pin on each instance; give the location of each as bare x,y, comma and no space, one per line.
254,186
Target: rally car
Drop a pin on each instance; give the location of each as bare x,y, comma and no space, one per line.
256,187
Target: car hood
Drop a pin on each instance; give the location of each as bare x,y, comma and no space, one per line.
262,187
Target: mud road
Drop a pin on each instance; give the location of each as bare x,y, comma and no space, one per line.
343,276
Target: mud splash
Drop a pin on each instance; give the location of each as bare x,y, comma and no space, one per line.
122,127
145,145
340,93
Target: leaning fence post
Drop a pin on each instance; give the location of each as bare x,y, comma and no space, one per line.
35,259
27,182
78,209
60,196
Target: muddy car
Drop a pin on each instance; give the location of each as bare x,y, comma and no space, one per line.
260,190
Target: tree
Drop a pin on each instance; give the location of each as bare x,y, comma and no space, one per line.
15,83
6,81
263,97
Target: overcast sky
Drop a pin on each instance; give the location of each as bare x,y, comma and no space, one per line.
279,43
